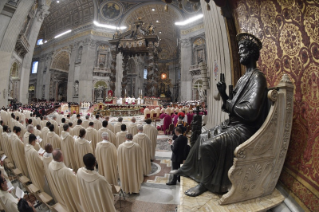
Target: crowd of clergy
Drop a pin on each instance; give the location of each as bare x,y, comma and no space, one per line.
78,160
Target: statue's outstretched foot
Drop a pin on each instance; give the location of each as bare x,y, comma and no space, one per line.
195,191
176,172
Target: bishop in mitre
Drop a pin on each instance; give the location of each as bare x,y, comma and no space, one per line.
106,156
151,132
35,164
53,138
67,146
130,165
121,136
112,137
145,143
81,148
19,154
132,127
65,182
94,191
92,135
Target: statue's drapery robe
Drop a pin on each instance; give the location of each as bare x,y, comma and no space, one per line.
132,128
112,137
67,146
151,132
89,182
35,167
145,143
81,148
65,182
106,156
120,138
19,154
54,140
92,135
130,167
211,158
10,202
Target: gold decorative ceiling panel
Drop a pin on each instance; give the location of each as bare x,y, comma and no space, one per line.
61,61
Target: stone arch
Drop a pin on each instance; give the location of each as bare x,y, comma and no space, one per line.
100,83
61,61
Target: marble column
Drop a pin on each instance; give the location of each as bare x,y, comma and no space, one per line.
150,89
125,78
27,61
217,54
41,67
86,71
71,74
114,53
186,62
8,44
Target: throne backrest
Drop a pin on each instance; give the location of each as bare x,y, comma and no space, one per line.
259,160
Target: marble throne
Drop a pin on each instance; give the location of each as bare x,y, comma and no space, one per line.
257,164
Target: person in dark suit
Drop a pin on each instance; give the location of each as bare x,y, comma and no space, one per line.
178,149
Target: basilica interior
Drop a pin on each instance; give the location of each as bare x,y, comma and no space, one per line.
172,53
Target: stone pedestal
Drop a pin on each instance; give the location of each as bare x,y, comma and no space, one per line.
209,201
99,100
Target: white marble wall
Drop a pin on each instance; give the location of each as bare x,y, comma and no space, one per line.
217,53
7,46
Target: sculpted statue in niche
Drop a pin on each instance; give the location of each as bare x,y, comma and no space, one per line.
78,59
212,155
76,88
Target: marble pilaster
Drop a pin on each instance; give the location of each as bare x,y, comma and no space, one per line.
186,62
71,77
7,46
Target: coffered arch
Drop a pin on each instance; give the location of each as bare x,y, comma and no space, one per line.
61,61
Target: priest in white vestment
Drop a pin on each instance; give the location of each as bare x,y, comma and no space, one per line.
35,164
92,135
53,138
75,121
106,156
121,136
55,123
97,122
130,165
112,137
94,191
9,202
117,126
63,121
44,122
67,146
109,126
85,123
151,132
132,127
145,143
81,148
76,129
19,154
5,143
65,182
45,131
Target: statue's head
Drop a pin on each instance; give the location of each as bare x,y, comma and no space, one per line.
249,48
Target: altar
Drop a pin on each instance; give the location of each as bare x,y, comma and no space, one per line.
75,109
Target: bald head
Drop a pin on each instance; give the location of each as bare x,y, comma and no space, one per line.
30,128
57,155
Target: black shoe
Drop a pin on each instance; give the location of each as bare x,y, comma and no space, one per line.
171,183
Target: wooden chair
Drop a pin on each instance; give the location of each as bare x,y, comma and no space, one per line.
118,190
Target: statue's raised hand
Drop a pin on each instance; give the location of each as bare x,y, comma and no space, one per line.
221,86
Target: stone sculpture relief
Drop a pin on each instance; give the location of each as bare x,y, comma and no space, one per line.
76,88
